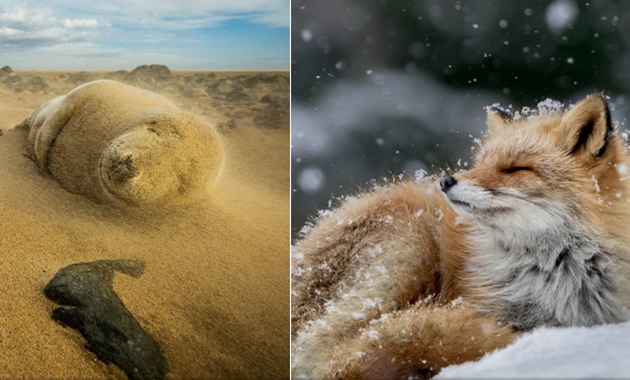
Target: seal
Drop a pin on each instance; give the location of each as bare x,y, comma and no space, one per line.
115,143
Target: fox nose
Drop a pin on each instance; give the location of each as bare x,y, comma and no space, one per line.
447,182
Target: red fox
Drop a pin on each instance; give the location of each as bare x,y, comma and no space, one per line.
402,281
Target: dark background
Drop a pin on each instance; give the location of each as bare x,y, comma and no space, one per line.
382,88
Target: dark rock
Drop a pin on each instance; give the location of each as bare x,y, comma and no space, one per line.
21,83
6,70
156,70
96,311
275,115
200,79
1,133
239,94
150,76
192,91
241,114
13,78
257,79
232,124
251,82
79,78
15,82
37,84
271,80
116,75
223,86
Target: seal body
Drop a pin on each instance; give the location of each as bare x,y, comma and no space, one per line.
116,143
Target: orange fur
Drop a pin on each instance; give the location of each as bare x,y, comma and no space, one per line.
374,281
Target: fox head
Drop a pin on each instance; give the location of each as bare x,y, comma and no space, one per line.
538,173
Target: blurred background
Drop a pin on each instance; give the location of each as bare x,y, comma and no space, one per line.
382,88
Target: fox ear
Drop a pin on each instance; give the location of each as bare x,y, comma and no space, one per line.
587,127
497,119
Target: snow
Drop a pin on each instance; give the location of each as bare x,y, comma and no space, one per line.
419,175
549,107
573,352
597,188
373,334
306,228
311,179
457,301
297,255
306,35
560,14
440,214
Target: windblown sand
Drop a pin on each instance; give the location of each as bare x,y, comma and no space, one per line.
215,293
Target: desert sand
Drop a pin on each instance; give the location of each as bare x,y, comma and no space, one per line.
215,291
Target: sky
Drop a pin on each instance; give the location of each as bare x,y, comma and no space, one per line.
123,34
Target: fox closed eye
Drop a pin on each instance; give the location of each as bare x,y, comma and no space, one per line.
516,169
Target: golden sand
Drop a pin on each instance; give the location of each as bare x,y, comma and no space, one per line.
215,293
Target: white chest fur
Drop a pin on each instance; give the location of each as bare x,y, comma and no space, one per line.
562,280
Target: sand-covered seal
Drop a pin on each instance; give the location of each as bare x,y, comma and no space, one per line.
115,143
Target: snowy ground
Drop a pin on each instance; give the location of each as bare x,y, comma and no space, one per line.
566,353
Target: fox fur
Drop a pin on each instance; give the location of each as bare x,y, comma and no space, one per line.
402,281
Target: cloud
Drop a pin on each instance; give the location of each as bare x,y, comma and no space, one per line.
23,18
200,29
22,28
84,24
24,24
167,14
274,13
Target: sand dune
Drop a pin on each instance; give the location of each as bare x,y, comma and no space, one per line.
215,291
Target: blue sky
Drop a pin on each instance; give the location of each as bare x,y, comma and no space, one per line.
122,34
